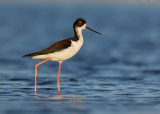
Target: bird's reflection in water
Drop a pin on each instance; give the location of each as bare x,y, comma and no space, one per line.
74,98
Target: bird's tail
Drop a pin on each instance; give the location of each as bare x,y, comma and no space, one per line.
28,55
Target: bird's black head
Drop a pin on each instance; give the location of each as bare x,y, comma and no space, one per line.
79,22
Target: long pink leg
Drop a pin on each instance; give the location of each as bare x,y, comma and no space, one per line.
36,66
58,80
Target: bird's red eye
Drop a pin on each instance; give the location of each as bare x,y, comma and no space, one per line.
80,23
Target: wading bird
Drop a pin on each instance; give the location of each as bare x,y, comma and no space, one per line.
62,50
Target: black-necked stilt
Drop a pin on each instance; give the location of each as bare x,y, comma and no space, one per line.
62,50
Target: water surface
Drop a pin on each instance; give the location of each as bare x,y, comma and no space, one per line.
118,72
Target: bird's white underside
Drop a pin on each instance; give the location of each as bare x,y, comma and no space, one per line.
68,52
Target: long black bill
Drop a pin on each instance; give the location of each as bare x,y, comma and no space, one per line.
93,30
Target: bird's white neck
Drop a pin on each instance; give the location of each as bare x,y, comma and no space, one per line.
78,32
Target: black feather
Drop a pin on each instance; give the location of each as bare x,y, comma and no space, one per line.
29,55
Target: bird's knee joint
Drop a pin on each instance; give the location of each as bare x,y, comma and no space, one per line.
36,65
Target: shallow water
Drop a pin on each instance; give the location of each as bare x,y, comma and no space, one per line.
118,72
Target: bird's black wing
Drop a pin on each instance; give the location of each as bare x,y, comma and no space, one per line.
58,46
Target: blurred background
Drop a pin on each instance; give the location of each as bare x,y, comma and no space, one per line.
116,72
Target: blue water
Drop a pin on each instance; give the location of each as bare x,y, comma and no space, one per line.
118,72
